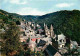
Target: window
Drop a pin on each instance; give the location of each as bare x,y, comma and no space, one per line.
61,40
62,46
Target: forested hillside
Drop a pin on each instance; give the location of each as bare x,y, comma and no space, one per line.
8,16
30,17
66,22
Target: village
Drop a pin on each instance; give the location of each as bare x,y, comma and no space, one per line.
46,40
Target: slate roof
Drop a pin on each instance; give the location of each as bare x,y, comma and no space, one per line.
51,50
41,42
55,43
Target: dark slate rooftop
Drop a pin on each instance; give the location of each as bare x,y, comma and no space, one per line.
51,50
41,42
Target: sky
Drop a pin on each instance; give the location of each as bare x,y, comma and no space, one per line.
38,7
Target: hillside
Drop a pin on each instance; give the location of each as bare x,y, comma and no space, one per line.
66,22
29,17
17,16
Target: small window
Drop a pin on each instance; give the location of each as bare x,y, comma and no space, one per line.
63,40
62,46
60,40
35,35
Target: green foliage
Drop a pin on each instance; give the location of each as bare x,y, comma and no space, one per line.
9,17
11,39
18,22
28,40
40,53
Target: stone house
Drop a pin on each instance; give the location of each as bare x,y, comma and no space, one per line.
73,45
61,41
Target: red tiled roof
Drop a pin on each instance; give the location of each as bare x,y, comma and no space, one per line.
34,39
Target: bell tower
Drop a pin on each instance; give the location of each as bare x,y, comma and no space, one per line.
46,30
44,25
51,31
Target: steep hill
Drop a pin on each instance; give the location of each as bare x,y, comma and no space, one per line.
15,16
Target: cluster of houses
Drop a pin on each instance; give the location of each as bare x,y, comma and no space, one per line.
44,39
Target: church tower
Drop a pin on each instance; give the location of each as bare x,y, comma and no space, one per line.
44,25
51,31
34,26
46,30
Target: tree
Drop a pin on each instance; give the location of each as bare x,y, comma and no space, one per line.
11,40
18,22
